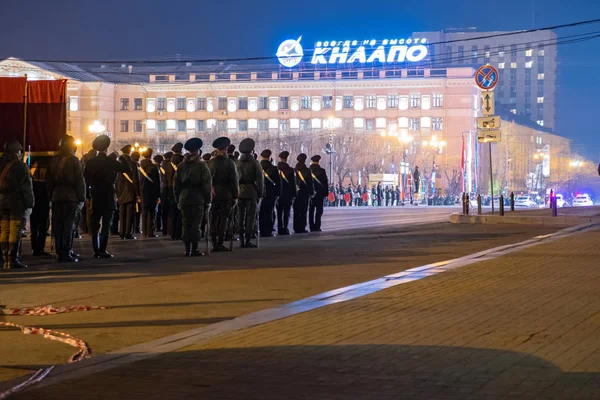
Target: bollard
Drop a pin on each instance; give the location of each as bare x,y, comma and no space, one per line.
478,204
512,201
464,211
502,205
467,203
554,207
551,197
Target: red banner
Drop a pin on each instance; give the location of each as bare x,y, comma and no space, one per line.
347,197
331,197
365,197
12,109
46,114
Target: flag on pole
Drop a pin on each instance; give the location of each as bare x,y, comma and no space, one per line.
462,164
12,108
46,114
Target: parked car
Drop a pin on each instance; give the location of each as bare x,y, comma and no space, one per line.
582,200
525,201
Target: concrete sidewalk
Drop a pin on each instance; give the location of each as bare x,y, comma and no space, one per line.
523,326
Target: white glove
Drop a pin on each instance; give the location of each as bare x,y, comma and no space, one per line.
28,212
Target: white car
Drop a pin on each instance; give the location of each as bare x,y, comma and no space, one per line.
582,200
525,201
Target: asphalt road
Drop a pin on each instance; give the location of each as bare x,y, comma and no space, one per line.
153,291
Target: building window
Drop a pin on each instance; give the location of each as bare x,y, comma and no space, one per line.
474,54
540,67
242,103
348,124
501,65
137,104
138,126
540,100
327,102
284,125
513,110
200,125
305,103
181,104
371,101
541,52
500,51
222,103
263,103
540,76
284,103
161,103
161,126
221,125
242,125
392,101
461,53
124,126
529,64
348,102
180,125
370,125
540,122
415,100
201,103
436,124
414,124
528,53
124,104
263,125
305,125
513,65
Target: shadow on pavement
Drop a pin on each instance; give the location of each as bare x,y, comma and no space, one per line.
332,372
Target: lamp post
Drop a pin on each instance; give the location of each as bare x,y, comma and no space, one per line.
438,147
329,147
404,138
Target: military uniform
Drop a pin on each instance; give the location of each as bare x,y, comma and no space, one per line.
251,191
39,221
137,214
306,190
100,174
128,193
150,193
226,190
288,193
271,194
16,203
316,202
165,193
176,159
66,189
192,187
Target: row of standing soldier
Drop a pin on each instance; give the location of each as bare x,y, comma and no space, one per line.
102,182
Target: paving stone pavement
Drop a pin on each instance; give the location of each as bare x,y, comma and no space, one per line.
523,326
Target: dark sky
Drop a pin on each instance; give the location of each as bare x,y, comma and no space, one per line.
135,29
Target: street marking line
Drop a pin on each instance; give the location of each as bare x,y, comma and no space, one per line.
180,340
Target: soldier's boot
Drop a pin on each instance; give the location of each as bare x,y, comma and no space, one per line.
188,251
221,246
71,252
215,243
102,248
194,252
13,258
96,244
249,244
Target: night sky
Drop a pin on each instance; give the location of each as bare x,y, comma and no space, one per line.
135,29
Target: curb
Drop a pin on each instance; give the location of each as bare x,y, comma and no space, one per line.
457,218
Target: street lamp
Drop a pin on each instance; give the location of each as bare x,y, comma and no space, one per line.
404,138
329,146
576,163
97,128
438,146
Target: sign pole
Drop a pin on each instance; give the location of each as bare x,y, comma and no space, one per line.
491,178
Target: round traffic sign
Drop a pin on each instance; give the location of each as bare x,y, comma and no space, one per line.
486,77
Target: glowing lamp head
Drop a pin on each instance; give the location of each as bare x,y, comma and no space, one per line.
78,142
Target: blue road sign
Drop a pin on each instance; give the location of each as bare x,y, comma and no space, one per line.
486,77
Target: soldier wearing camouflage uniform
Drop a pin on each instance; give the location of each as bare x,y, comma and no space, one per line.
251,191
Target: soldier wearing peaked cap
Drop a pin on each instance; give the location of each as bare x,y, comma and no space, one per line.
165,193
66,189
158,160
288,193
100,174
251,191
135,157
315,211
271,194
193,195
226,192
306,190
231,152
206,156
150,193
16,202
170,171
128,194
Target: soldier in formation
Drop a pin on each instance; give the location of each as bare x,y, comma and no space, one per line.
251,191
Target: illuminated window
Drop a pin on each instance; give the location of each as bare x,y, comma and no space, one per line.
540,100
414,124
501,65
305,124
242,104
161,104
327,102
392,101
181,104
514,110
124,126
513,65
74,103
436,124
415,100
221,125
161,126
200,125
201,103
370,125
305,103
371,101
242,125
528,64
540,76
541,54
137,104
263,103
263,125
540,122
528,53
138,126
437,100
124,105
